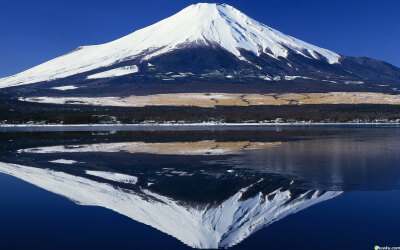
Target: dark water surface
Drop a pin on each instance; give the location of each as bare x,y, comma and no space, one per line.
272,188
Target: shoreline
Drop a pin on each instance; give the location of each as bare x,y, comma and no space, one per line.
184,126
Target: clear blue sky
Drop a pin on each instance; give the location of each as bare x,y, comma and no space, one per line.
32,32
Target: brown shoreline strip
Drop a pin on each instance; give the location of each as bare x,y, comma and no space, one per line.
226,99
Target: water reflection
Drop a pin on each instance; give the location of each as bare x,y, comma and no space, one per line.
202,225
207,193
208,147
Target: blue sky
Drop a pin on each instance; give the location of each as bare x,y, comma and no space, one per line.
32,32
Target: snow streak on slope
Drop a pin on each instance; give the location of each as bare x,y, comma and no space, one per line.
64,88
221,225
197,25
115,72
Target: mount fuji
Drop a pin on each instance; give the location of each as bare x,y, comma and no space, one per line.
213,43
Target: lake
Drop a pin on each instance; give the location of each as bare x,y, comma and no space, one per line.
239,187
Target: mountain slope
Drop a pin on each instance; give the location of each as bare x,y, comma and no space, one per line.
200,24
213,43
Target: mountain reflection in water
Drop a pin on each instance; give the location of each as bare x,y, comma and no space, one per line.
211,192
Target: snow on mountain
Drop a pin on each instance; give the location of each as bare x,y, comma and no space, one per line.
222,225
115,72
197,25
64,88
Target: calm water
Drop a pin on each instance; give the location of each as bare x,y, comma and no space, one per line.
242,188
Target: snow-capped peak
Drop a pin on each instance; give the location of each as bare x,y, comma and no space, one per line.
199,24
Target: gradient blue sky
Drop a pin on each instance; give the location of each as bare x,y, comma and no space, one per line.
32,32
